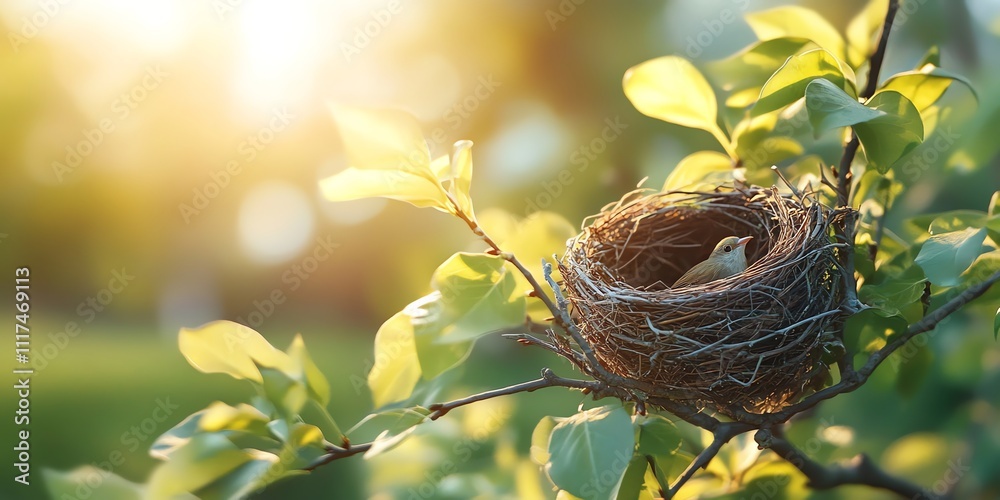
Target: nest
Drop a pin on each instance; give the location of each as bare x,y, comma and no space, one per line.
754,341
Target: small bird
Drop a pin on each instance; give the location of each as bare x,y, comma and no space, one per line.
727,259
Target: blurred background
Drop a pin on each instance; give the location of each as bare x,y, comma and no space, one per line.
160,166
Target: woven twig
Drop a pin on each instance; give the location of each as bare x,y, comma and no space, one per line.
754,340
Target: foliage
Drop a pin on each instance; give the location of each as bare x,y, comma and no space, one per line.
800,64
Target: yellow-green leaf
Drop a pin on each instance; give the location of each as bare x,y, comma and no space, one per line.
109,486
795,21
700,169
925,86
671,89
205,460
474,296
354,184
862,31
397,369
383,139
306,371
461,176
752,66
231,348
788,84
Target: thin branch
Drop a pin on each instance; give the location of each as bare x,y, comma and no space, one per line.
875,67
859,470
722,434
509,257
549,379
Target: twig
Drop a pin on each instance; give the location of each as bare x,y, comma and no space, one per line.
858,470
595,388
722,434
509,257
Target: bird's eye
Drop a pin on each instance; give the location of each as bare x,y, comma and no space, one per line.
727,248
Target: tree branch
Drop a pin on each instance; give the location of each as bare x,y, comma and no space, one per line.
859,470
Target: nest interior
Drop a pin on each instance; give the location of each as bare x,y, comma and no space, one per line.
754,340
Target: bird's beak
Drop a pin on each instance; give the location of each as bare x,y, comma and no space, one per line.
743,241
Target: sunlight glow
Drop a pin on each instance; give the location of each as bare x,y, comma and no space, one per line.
275,222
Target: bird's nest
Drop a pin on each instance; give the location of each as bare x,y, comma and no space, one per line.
755,341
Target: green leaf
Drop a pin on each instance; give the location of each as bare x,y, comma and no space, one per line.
863,30
894,293
944,257
700,168
633,480
387,429
671,89
177,436
658,436
388,158
110,486
753,65
460,177
397,369
476,292
788,84
590,451
887,138
795,21
304,445
207,459
830,107
474,296
758,147
230,348
540,439
925,86
957,220
868,330
288,394
305,370
219,417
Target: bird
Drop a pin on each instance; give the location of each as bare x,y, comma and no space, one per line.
727,259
